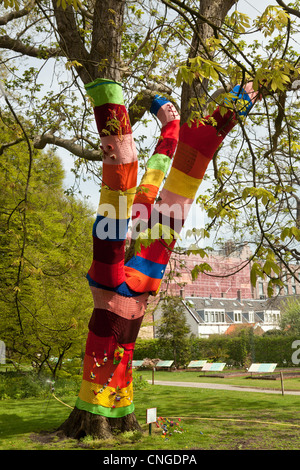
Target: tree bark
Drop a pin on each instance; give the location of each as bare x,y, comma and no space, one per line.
81,423
214,11
103,58
121,289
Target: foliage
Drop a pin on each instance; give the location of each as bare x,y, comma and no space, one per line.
44,297
173,330
20,385
237,351
290,317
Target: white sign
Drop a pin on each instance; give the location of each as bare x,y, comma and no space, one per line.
151,415
2,352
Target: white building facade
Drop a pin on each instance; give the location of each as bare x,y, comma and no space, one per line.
209,316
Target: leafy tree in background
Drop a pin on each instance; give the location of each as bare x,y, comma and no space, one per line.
290,317
44,301
173,330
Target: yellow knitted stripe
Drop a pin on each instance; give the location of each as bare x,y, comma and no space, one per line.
153,176
179,183
116,204
107,397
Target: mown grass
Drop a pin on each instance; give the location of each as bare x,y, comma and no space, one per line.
210,420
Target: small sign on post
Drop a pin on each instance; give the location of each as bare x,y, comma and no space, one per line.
2,352
151,418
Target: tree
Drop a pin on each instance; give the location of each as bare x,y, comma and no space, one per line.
290,317
173,330
156,62
43,258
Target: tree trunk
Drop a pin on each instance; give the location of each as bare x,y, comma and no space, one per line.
120,290
215,11
81,423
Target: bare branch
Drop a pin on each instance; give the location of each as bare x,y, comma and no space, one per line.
14,15
40,142
16,45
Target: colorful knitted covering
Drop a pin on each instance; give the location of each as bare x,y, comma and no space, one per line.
120,291
107,378
196,148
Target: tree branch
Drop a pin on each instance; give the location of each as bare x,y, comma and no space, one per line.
69,144
16,45
14,15
10,144
288,9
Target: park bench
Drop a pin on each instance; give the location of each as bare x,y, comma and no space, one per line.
137,363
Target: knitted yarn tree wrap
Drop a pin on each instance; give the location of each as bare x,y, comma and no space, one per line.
120,289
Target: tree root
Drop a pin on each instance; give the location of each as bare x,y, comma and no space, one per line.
81,423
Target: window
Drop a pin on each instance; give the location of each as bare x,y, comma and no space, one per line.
237,317
214,316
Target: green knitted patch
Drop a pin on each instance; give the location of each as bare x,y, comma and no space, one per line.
103,91
103,411
159,161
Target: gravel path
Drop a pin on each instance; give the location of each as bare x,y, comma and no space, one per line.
218,386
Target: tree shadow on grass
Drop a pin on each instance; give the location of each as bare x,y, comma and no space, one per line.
22,417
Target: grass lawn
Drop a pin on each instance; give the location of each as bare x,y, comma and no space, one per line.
209,420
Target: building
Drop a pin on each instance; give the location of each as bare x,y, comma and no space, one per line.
229,276
219,300
208,316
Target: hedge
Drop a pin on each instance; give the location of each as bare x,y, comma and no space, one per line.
236,351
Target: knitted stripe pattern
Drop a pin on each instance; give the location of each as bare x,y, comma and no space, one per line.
120,291
106,387
196,147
